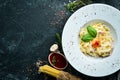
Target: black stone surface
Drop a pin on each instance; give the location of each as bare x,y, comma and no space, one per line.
27,30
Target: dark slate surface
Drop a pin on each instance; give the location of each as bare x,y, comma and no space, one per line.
27,30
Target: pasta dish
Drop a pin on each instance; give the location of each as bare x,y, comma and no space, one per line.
96,41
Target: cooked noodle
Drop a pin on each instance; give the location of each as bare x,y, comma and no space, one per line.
103,35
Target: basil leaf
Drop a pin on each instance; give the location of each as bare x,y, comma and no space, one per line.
92,31
87,38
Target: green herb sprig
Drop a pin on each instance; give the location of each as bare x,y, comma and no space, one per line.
73,6
59,39
54,60
59,42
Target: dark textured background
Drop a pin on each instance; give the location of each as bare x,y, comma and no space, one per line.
27,30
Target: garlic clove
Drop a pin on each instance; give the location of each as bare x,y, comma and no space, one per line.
54,48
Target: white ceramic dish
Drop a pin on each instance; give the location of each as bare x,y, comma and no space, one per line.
97,67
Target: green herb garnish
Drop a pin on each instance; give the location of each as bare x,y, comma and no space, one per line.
73,6
59,41
92,31
87,38
58,38
90,35
53,60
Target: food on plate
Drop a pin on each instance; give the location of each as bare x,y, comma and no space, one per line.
96,40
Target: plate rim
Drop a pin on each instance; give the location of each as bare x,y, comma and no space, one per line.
63,34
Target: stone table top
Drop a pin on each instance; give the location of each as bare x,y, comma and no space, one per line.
27,30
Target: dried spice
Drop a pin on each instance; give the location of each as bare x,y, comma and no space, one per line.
53,60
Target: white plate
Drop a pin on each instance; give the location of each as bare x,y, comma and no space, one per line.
90,66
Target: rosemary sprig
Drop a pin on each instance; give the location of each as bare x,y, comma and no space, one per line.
59,41
73,6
